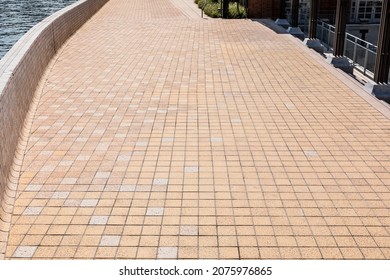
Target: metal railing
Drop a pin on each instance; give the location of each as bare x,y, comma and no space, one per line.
325,33
361,53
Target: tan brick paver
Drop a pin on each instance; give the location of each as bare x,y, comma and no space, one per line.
162,135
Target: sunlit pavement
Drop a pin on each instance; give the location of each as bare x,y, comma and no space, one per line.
159,134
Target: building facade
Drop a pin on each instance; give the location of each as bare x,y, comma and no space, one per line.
361,11
365,11
272,8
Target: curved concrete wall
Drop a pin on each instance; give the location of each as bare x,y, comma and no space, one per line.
20,72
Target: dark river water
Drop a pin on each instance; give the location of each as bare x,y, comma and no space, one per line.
18,16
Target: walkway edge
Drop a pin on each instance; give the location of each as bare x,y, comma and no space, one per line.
347,80
21,71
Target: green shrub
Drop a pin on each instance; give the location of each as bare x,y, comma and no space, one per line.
237,11
212,9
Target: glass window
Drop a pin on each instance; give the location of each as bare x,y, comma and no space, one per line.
367,10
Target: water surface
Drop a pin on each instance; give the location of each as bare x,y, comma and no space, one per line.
18,16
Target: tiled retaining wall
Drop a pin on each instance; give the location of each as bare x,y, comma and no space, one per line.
20,72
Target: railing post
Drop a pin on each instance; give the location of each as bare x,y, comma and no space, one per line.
345,45
282,20
382,64
294,13
339,60
225,9
312,41
294,29
313,19
365,61
341,26
282,9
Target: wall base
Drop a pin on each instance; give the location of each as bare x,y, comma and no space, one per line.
283,23
381,92
342,63
314,44
296,32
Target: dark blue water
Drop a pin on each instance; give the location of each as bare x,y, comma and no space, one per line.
18,16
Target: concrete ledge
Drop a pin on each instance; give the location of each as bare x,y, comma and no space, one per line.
314,44
296,32
21,70
351,83
269,23
282,22
381,92
342,63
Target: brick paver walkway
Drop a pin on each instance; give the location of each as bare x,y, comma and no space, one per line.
161,135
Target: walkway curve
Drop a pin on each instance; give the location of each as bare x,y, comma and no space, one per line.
159,135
